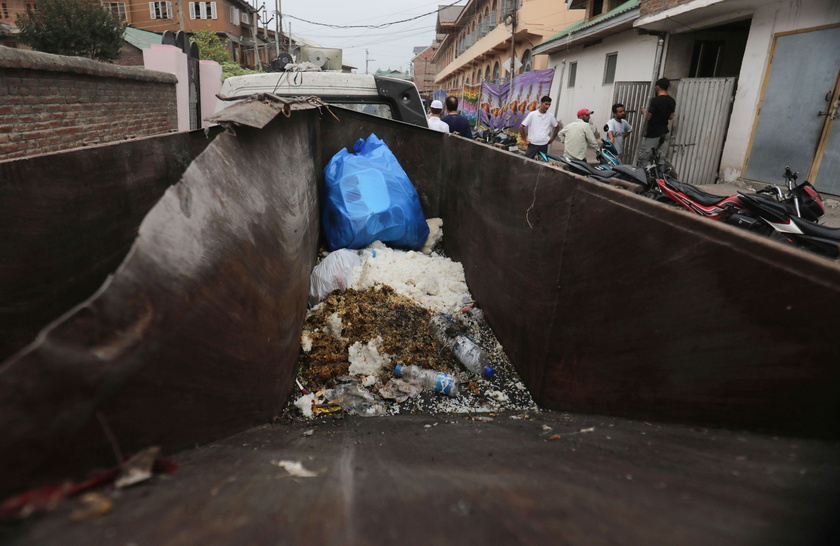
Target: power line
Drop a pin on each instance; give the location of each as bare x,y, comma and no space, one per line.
382,25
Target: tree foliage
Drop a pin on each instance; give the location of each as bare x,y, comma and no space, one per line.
210,46
72,27
233,69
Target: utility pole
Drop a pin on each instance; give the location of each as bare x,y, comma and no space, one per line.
367,61
265,27
277,26
257,61
512,39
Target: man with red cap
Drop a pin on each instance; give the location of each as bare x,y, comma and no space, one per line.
578,135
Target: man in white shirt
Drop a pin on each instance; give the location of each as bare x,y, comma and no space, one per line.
539,129
578,135
434,118
618,128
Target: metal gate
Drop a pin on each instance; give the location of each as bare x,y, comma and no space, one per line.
699,127
634,96
181,41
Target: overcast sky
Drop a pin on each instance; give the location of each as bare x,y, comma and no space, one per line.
388,48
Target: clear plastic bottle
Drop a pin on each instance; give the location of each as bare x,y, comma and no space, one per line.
468,352
429,379
441,327
472,356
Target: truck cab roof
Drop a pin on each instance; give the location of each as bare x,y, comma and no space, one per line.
377,95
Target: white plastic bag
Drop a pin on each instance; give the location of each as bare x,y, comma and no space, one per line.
335,272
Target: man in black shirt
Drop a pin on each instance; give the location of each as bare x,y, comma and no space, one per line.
660,112
457,123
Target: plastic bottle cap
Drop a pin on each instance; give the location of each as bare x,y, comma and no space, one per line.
398,370
489,371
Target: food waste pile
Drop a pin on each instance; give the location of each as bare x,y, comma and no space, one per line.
378,319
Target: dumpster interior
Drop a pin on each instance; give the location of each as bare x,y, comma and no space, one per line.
669,391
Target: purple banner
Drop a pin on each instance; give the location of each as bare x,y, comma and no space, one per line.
501,106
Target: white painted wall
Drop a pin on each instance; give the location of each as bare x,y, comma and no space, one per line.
168,58
210,75
768,20
636,54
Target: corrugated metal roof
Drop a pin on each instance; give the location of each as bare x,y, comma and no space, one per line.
580,25
141,39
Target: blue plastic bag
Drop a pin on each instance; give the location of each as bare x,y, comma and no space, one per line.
368,197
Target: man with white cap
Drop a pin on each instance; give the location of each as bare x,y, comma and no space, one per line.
434,118
578,135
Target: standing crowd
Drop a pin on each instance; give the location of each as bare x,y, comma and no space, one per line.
540,128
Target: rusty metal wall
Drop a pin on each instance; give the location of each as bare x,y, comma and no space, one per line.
196,334
699,127
607,303
68,220
610,303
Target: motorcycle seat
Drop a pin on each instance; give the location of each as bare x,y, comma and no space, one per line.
816,230
695,194
586,167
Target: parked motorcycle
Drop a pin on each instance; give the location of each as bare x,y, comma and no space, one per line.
498,137
789,216
792,217
628,177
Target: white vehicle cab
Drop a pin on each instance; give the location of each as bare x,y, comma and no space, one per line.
380,96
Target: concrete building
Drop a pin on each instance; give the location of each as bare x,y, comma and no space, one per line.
484,38
423,68
747,104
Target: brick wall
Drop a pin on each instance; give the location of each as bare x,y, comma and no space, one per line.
650,7
52,103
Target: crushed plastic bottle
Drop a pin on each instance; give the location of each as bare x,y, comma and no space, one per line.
473,357
430,379
468,352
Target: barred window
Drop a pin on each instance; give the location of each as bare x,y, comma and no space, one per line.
203,10
118,9
160,10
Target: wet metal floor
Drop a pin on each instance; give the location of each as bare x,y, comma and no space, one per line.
550,479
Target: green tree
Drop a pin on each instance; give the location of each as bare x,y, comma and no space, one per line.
210,46
72,27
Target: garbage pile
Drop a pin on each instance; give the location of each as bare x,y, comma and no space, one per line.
394,331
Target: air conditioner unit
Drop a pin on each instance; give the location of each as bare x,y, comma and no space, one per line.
326,58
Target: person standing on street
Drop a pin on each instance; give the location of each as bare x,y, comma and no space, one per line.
660,112
618,128
457,123
539,129
578,135
434,118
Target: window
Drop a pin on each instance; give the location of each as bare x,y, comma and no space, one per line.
117,8
203,10
705,59
31,6
572,74
4,11
160,10
526,62
609,68
496,73
234,16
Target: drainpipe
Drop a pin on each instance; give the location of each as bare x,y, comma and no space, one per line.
559,87
660,44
